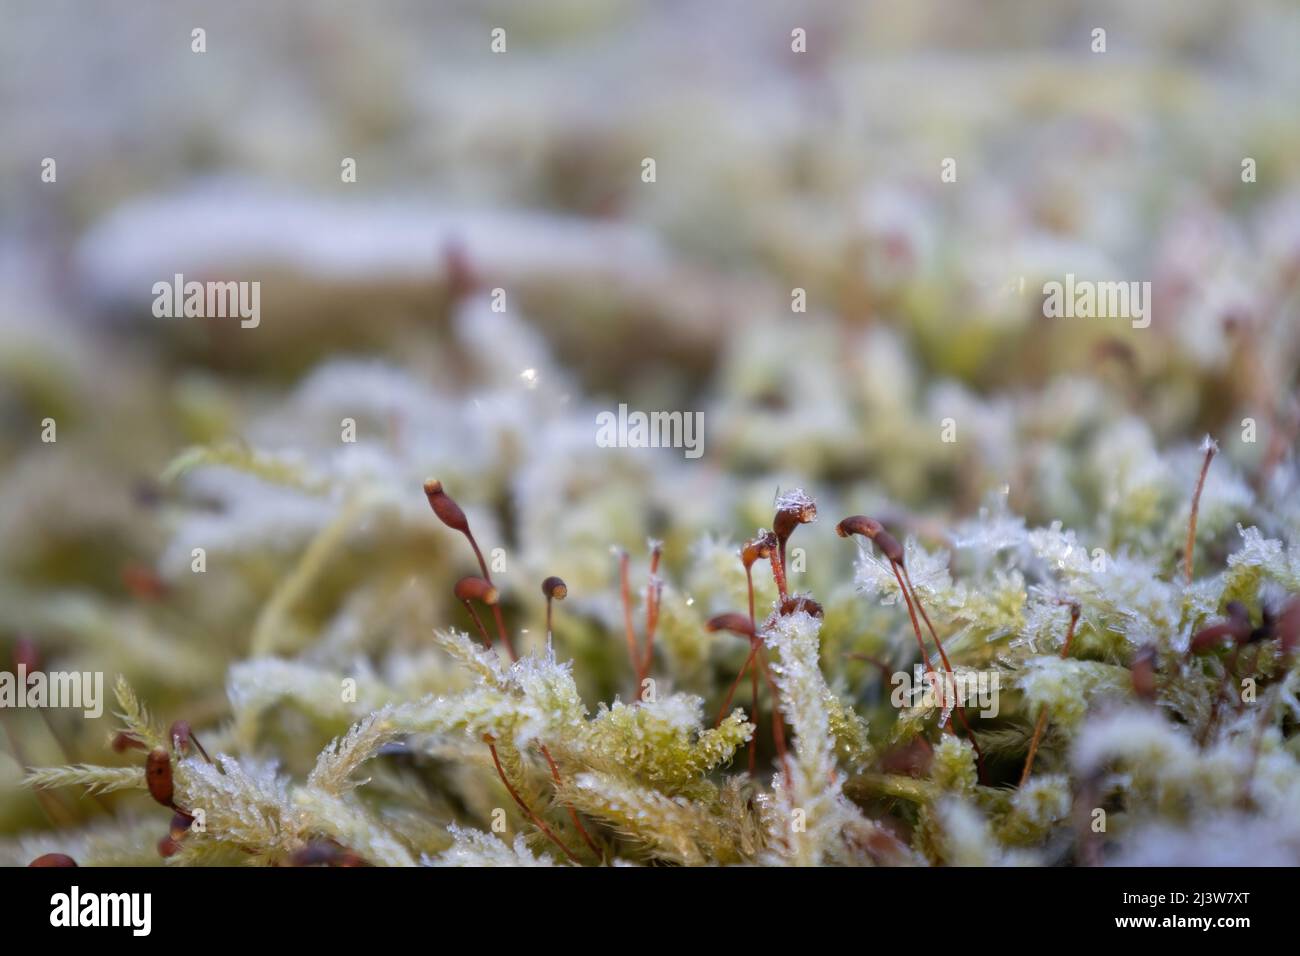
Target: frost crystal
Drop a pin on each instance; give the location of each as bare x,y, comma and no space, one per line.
796,500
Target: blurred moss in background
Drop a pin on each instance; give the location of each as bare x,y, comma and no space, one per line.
776,173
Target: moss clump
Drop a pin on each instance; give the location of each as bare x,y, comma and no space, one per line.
1154,735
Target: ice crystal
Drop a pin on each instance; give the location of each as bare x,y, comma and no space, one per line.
475,848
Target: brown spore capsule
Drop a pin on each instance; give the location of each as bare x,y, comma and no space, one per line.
123,741
474,588
858,524
795,603
180,825
793,509
448,512
27,656
733,622
1143,673
875,531
180,737
158,776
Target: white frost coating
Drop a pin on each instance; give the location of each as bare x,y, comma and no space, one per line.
472,847
993,531
1135,736
928,570
681,712
246,800
968,840
1225,840
873,575
255,685
796,499
813,797
1068,687
254,515
1271,556
225,223
1044,800
1060,549
1045,620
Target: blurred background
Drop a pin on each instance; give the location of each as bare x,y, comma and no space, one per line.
775,170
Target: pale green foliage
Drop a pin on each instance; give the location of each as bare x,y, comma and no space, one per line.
257,686
267,467
1035,809
246,803
954,765
675,829
685,642
809,820
324,564
103,843
348,821
135,716
338,761
404,768
93,779
1068,688
475,848
661,742
964,837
